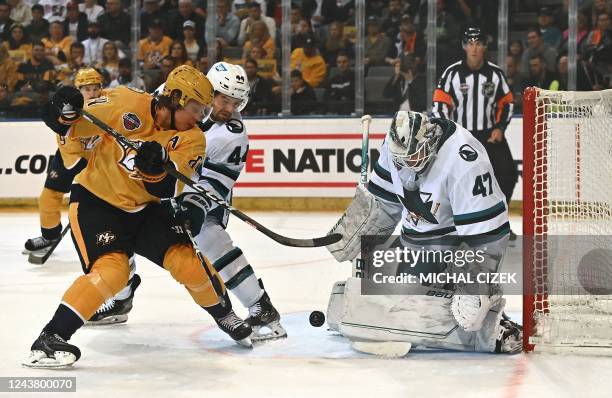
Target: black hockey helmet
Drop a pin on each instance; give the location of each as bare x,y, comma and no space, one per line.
474,34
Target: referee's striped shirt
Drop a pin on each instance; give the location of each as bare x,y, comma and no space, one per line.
478,101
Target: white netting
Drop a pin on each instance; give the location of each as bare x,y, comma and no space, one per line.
573,219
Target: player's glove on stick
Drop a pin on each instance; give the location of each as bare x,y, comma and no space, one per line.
63,110
151,158
192,211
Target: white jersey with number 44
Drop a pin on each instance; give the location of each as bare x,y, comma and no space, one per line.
457,195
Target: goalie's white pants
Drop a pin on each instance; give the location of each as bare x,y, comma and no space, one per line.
236,272
421,320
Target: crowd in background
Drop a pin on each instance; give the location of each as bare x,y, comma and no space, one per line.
44,43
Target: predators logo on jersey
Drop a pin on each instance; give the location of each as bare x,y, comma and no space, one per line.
127,162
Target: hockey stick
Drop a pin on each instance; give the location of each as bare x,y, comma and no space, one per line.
34,259
366,120
283,240
216,286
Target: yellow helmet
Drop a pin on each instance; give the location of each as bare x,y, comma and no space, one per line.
192,84
87,76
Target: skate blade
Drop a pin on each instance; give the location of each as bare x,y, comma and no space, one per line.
39,360
271,331
108,321
246,342
389,349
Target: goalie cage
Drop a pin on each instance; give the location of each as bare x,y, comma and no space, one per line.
567,217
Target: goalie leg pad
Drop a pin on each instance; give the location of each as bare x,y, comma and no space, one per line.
364,216
335,305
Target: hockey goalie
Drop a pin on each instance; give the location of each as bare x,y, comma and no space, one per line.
436,178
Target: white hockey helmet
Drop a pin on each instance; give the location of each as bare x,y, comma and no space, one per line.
231,80
412,140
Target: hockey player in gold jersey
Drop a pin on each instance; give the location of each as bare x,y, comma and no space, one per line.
70,158
115,210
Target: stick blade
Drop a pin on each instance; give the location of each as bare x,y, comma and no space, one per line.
314,242
37,259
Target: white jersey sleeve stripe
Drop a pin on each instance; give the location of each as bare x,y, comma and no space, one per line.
480,216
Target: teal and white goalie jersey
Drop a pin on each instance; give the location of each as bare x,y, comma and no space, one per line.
457,195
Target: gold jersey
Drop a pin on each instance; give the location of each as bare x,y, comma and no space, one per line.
110,173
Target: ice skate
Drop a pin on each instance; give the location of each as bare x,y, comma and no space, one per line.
113,310
51,351
236,328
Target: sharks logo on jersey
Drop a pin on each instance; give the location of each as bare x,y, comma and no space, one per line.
419,206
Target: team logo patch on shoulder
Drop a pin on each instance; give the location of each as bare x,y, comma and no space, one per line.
464,88
468,153
235,126
131,121
488,89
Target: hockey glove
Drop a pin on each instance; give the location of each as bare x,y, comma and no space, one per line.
151,158
68,102
192,211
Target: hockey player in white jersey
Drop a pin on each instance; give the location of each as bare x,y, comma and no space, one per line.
436,178
226,150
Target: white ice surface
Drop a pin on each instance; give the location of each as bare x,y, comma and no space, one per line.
169,347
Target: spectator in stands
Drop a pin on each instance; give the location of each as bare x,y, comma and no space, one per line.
410,42
39,27
407,87
602,27
324,12
392,18
167,64
152,48
254,16
241,7
93,45
550,33
537,46
18,46
296,16
335,43
374,8
448,34
303,30
115,23
20,12
303,98
583,30
66,72
515,50
598,7
587,79
5,21
36,69
377,45
262,100
340,91
126,78
75,24
227,24
309,62
185,12
259,36
5,102
8,69
515,80
93,10
57,45
190,42
178,53
55,10
600,55
151,12
110,60
539,75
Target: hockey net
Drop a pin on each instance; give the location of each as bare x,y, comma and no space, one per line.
567,221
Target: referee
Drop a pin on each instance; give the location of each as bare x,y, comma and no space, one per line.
475,94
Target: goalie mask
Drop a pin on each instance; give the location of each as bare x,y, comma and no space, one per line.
412,140
230,80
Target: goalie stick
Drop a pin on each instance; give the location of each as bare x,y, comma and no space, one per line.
34,259
283,240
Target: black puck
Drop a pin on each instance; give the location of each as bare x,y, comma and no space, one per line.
317,319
